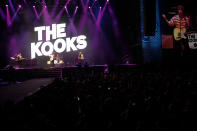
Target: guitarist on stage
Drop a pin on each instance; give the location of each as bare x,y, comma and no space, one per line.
181,23
80,58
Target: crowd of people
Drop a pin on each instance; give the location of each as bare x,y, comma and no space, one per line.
86,99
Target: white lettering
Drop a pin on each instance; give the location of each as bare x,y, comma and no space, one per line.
39,30
35,50
51,32
63,47
60,45
82,44
43,48
70,44
61,30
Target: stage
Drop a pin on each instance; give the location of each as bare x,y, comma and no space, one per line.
25,73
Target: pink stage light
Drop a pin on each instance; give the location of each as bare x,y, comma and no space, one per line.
8,18
37,15
15,14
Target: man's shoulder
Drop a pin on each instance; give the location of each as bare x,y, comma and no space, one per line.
175,16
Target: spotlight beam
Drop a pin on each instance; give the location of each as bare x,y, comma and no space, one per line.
41,12
2,14
67,12
71,25
101,13
61,11
11,5
93,3
47,17
104,8
114,22
91,12
37,16
14,16
67,3
99,17
87,2
74,14
8,16
54,8
84,5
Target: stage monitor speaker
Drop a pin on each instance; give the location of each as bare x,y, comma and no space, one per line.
149,17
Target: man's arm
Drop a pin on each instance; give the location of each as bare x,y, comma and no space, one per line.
170,23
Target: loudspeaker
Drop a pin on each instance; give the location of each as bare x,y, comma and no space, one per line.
149,17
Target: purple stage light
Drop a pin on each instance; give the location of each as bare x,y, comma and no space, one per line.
15,14
67,11
89,7
37,16
54,8
114,23
93,16
8,16
82,3
11,6
61,11
45,6
85,6
93,3
2,14
47,17
75,12
99,17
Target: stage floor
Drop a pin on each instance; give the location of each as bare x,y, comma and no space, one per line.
16,92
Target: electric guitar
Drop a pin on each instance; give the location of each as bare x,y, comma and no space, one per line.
179,33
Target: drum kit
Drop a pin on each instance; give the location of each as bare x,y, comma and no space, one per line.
57,61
